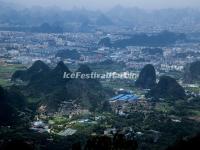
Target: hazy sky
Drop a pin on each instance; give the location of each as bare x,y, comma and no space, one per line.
106,4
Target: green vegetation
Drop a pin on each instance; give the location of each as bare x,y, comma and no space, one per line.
12,107
115,84
6,72
192,72
164,107
105,42
153,124
195,112
147,78
68,54
196,90
167,88
107,66
161,39
50,86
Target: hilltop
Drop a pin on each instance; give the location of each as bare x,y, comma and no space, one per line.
168,88
53,89
192,72
147,77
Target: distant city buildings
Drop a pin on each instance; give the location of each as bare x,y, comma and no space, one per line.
25,48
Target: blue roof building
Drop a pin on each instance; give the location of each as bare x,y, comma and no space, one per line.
125,97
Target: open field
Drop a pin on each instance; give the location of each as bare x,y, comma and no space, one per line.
6,72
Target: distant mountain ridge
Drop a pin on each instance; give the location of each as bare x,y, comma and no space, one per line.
14,17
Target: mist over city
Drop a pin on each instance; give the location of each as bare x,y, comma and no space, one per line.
108,4
100,74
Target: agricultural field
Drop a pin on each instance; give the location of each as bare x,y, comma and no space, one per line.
6,72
